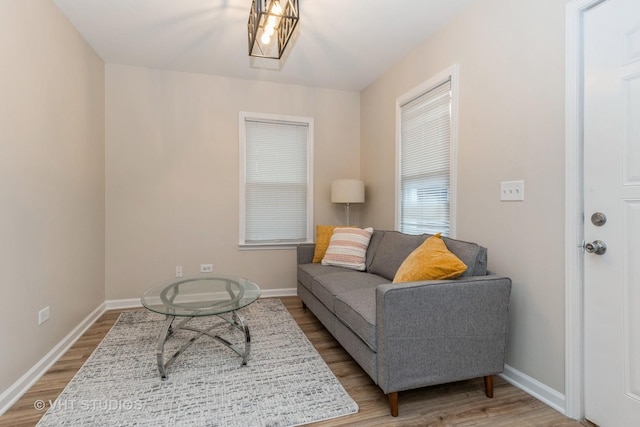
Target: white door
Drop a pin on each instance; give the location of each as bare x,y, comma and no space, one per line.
612,187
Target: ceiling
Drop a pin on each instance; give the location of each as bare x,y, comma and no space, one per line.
338,44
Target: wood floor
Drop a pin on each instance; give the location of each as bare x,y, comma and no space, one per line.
457,404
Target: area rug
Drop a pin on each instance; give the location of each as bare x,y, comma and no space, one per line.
284,383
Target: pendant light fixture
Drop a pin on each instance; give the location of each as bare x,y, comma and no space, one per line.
271,24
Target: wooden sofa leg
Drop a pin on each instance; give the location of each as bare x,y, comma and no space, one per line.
304,306
488,385
393,403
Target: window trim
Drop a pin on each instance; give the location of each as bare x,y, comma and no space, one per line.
450,73
278,118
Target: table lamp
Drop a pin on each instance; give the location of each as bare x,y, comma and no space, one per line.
347,191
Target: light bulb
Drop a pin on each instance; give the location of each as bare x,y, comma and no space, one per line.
265,39
271,21
269,30
276,9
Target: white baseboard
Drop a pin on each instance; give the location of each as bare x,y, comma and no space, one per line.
13,393
535,388
117,304
276,293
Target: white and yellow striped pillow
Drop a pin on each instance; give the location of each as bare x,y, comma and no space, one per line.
348,248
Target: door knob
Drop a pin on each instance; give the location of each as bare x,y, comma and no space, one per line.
597,247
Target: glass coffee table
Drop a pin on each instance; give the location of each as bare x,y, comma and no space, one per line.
182,300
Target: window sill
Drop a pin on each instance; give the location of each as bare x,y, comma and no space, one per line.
269,246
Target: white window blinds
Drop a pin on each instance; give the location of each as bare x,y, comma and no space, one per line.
425,146
276,182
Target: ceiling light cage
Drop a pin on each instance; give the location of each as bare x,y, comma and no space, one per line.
271,24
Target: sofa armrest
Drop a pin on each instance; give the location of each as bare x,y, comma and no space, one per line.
440,331
305,252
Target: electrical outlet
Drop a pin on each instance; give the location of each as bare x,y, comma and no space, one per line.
512,191
206,268
43,315
178,271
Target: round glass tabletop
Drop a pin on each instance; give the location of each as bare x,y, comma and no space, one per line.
200,296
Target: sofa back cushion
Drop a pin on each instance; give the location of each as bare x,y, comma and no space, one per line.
472,254
374,243
394,247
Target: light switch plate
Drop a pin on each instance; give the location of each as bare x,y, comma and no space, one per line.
512,191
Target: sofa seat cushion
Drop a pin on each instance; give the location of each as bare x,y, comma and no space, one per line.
326,287
306,272
356,308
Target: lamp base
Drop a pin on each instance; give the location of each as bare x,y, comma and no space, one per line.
347,209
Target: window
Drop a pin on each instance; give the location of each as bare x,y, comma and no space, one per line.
276,188
426,152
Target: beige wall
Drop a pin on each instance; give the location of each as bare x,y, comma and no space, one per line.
173,180
51,182
172,170
511,127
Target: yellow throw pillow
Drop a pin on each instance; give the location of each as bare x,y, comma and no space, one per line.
430,261
323,237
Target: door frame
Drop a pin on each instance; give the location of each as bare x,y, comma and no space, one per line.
574,209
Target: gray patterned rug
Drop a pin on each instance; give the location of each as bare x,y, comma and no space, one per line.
284,383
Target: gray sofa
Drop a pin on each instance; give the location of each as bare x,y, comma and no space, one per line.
411,335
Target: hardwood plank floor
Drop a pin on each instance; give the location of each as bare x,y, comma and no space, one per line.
457,404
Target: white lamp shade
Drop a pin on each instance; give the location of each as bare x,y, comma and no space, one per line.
347,191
